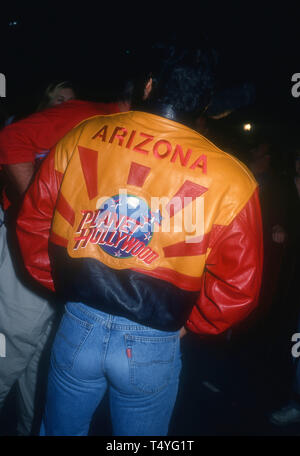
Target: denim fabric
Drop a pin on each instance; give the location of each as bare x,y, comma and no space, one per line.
94,351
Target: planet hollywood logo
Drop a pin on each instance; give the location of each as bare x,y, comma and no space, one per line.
123,227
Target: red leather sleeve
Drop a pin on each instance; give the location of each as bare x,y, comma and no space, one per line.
232,277
34,221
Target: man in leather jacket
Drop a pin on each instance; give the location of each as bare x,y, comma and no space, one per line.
148,230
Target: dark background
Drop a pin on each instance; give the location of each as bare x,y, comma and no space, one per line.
93,43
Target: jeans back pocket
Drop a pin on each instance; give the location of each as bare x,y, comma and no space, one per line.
71,335
151,361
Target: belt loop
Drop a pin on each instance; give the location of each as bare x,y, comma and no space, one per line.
109,321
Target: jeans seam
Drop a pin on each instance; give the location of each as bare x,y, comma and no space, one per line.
117,326
76,351
90,314
121,327
82,322
151,339
105,343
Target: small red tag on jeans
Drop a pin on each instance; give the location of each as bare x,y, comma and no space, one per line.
128,352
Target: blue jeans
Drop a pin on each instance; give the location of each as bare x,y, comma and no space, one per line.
94,351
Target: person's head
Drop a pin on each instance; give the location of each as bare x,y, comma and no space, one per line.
57,93
260,159
124,96
181,79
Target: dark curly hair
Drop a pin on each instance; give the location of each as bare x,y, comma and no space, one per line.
183,77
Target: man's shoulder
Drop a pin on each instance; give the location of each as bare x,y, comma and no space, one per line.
232,183
174,136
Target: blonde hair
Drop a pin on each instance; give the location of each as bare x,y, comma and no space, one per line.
50,92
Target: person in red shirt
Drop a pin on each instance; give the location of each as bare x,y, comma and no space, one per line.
56,93
24,142
26,316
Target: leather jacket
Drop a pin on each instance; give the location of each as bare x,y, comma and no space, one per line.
140,216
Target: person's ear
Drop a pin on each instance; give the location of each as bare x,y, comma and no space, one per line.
148,88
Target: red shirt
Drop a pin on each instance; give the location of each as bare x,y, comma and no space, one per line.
30,139
25,140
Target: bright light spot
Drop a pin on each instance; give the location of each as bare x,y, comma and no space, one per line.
133,202
247,127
